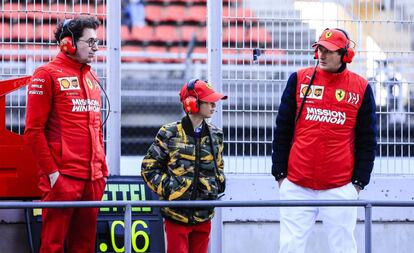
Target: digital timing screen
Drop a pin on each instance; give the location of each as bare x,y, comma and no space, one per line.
147,232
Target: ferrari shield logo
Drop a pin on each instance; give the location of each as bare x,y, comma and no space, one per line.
209,85
339,94
328,35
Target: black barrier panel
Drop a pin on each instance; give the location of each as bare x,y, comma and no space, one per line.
146,229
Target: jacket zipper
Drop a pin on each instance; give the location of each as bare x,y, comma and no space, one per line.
196,169
90,134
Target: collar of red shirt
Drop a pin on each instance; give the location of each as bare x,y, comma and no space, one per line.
63,58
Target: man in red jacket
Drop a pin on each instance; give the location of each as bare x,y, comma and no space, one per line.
64,130
324,146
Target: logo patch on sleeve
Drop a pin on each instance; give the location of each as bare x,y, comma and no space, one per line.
69,83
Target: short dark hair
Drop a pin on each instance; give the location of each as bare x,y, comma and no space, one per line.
74,27
342,51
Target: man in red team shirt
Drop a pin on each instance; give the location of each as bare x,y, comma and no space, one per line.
324,146
64,130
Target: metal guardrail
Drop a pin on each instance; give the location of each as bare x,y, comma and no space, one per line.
368,205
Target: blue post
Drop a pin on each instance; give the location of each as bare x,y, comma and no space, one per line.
127,231
368,225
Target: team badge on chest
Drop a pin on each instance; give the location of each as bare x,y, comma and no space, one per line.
340,94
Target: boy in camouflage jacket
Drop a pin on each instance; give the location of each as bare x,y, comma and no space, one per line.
185,163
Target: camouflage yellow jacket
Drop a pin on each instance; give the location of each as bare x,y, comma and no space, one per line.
179,166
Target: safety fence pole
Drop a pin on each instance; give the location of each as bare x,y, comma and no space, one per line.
368,226
127,230
212,203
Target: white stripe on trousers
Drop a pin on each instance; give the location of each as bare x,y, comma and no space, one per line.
296,222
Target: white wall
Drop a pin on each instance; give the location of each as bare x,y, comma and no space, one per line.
257,229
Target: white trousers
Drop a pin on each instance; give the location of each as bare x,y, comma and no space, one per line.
296,222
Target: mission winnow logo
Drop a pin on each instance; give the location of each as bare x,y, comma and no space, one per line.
325,115
85,105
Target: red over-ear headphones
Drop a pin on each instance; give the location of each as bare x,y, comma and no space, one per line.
348,53
67,44
191,104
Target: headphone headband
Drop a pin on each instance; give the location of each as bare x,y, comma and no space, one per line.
66,24
348,44
344,32
191,84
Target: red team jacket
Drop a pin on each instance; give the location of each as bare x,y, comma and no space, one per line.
334,140
327,124
63,120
